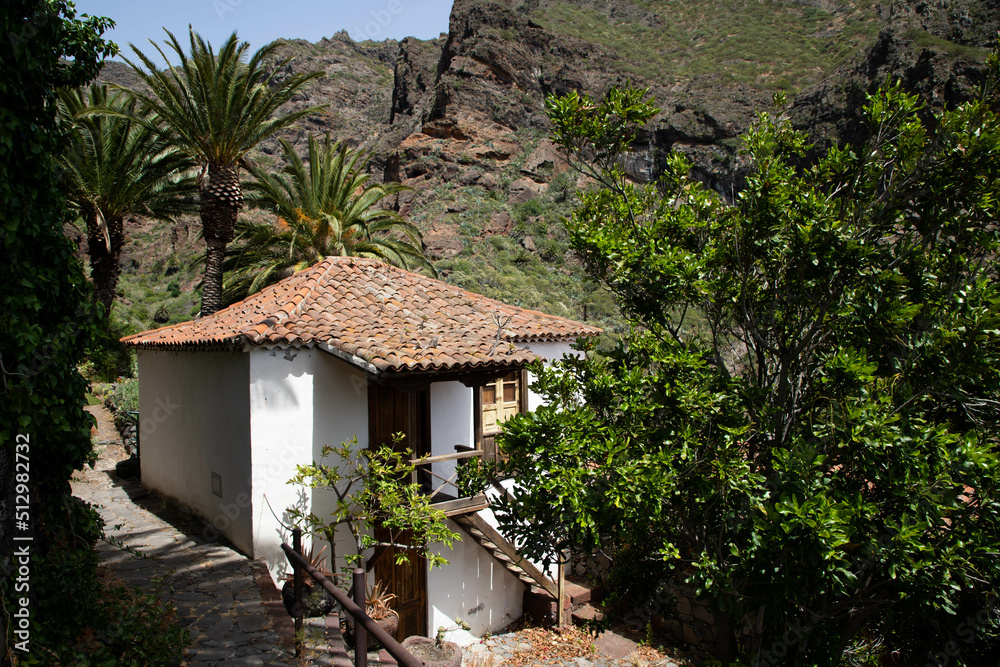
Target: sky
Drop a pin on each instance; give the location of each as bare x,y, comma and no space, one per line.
262,21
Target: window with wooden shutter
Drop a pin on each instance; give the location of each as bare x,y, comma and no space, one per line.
499,400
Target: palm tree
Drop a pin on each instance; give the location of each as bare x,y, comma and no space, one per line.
115,167
217,108
323,208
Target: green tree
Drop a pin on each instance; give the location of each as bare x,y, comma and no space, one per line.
48,318
116,167
324,208
216,108
803,422
370,490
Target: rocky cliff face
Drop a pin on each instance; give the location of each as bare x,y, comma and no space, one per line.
461,118
934,50
474,99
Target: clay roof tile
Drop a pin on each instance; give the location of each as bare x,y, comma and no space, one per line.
390,318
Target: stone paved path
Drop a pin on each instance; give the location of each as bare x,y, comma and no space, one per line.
215,591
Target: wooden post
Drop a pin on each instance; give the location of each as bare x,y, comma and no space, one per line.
360,633
561,587
297,584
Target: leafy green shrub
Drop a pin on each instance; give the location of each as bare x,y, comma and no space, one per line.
107,356
371,489
529,209
124,399
139,311
562,187
552,251
86,369
820,461
520,231
137,627
125,396
106,624
502,243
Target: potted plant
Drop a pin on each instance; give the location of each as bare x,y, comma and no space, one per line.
316,601
377,606
437,652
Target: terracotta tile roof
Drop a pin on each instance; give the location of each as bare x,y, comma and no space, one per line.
379,317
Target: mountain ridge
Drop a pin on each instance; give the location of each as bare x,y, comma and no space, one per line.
460,119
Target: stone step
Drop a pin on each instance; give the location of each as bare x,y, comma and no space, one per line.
331,648
577,594
335,640
587,612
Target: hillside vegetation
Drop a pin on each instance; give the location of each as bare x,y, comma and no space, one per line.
769,43
460,120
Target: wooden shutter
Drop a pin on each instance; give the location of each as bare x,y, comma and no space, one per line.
499,400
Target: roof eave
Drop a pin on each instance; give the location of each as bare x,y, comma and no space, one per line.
352,359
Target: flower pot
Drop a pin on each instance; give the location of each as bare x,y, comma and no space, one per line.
316,601
388,623
449,654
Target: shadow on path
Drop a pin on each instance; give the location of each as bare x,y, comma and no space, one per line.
212,585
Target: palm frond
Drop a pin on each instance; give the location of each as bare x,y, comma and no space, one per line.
215,106
323,206
116,164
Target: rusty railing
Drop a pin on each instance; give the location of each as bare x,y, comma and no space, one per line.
363,622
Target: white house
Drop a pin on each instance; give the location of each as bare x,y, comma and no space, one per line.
231,403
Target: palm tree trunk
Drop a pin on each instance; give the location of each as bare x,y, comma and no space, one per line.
211,293
221,199
104,261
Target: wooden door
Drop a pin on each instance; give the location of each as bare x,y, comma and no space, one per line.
408,582
390,411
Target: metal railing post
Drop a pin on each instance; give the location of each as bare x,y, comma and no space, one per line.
298,608
360,633
395,649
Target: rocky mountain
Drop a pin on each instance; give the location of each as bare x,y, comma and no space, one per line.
461,118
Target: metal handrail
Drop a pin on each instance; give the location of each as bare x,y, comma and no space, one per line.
394,648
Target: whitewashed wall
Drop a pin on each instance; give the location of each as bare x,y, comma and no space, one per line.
252,417
550,352
475,587
340,412
195,420
300,401
451,424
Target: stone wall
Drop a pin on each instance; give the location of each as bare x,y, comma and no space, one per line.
683,618
592,568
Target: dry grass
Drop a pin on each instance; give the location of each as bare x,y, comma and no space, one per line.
557,646
480,660
646,656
